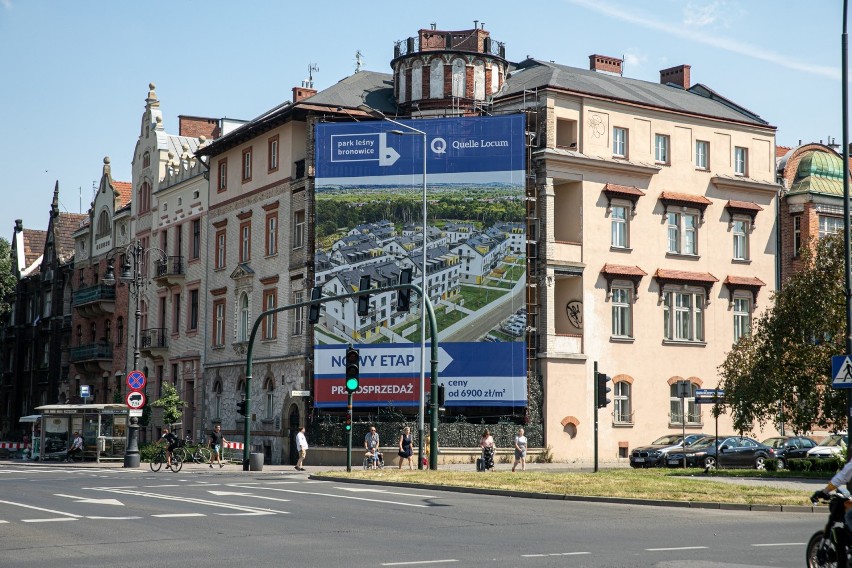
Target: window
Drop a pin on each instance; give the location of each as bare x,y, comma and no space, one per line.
246,165
683,316
269,387
222,183
217,394
702,155
107,331
692,414
661,149
93,332
740,231
146,159
619,142
270,322
193,310
273,153
219,323
119,331
683,233
622,413
220,249
243,330
621,312
195,252
618,224
740,161
104,228
742,317
47,304
797,234
245,241
298,229
298,314
272,234
829,225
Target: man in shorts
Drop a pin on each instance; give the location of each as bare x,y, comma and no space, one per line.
302,447
217,443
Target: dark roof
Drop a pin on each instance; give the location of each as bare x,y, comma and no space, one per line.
34,240
698,99
64,227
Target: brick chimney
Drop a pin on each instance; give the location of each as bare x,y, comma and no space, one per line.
678,75
197,126
603,63
300,93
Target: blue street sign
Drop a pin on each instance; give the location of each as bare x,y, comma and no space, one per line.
136,380
709,392
84,391
841,372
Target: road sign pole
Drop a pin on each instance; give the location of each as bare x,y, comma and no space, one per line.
595,389
349,438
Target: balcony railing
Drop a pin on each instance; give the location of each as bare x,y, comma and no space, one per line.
171,266
91,352
153,338
91,294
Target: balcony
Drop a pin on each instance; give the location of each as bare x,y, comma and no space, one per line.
94,357
567,252
169,271
94,301
153,340
566,344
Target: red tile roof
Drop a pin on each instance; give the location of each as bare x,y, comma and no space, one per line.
623,189
64,227
744,281
780,151
622,270
685,197
34,240
684,276
125,192
744,205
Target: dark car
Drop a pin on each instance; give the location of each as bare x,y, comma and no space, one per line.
655,453
790,447
730,451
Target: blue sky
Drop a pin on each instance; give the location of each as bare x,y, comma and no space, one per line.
74,75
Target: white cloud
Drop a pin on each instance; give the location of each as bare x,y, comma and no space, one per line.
6,4
713,40
701,14
633,58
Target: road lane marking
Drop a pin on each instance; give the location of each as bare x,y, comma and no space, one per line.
359,490
72,515
78,499
158,486
554,554
178,515
334,496
113,518
193,500
56,520
244,514
418,562
4,522
675,548
782,544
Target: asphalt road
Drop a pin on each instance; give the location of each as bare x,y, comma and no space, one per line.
92,517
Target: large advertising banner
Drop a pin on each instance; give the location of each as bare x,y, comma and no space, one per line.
369,189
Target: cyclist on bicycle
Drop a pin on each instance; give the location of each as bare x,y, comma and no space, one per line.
172,442
76,447
841,479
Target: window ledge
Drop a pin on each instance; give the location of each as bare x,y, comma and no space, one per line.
705,170
273,255
269,340
689,425
679,342
741,261
267,421
620,249
683,255
191,332
217,347
620,339
622,424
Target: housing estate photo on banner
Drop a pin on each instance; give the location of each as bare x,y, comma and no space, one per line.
369,192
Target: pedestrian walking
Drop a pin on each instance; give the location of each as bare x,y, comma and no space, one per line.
301,447
520,450
405,447
486,442
217,443
371,444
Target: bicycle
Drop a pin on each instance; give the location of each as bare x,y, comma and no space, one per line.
828,548
73,455
160,458
196,454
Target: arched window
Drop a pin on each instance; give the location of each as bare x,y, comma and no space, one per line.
217,399
243,334
495,78
268,389
400,81
93,331
417,81
436,78
107,331
622,411
146,159
459,83
479,81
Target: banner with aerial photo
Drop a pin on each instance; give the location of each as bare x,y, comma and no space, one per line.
369,189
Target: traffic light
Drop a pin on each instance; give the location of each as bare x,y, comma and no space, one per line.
602,379
403,297
241,408
348,421
353,369
364,299
441,394
314,310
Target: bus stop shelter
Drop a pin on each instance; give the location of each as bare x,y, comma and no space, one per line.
102,426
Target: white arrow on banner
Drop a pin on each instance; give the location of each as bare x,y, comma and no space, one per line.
379,360
387,155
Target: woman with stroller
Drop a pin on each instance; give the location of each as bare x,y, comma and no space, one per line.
405,447
371,444
486,442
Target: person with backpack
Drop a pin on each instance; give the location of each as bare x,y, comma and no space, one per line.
172,443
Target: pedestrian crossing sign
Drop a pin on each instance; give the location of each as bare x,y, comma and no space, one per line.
841,372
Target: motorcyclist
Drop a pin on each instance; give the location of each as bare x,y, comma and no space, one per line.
840,479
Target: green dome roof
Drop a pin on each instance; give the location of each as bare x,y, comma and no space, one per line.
819,172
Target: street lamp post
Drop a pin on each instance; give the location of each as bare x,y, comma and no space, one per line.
411,131
131,274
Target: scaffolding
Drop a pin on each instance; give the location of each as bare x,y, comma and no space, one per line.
534,277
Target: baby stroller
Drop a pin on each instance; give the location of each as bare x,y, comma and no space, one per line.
377,461
486,462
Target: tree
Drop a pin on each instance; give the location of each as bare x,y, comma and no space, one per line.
7,277
171,404
781,373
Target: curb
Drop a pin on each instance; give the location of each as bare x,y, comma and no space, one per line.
579,498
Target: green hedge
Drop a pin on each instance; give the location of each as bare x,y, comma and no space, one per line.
823,465
771,464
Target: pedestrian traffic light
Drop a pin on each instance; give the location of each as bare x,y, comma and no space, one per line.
241,408
364,299
353,369
602,379
403,297
348,421
314,310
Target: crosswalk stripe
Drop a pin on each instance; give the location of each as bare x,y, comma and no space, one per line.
178,515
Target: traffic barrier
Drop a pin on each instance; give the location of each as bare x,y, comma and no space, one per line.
235,445
13,446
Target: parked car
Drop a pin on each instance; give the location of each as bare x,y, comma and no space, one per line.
729,451
829,446
789,447
654,454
